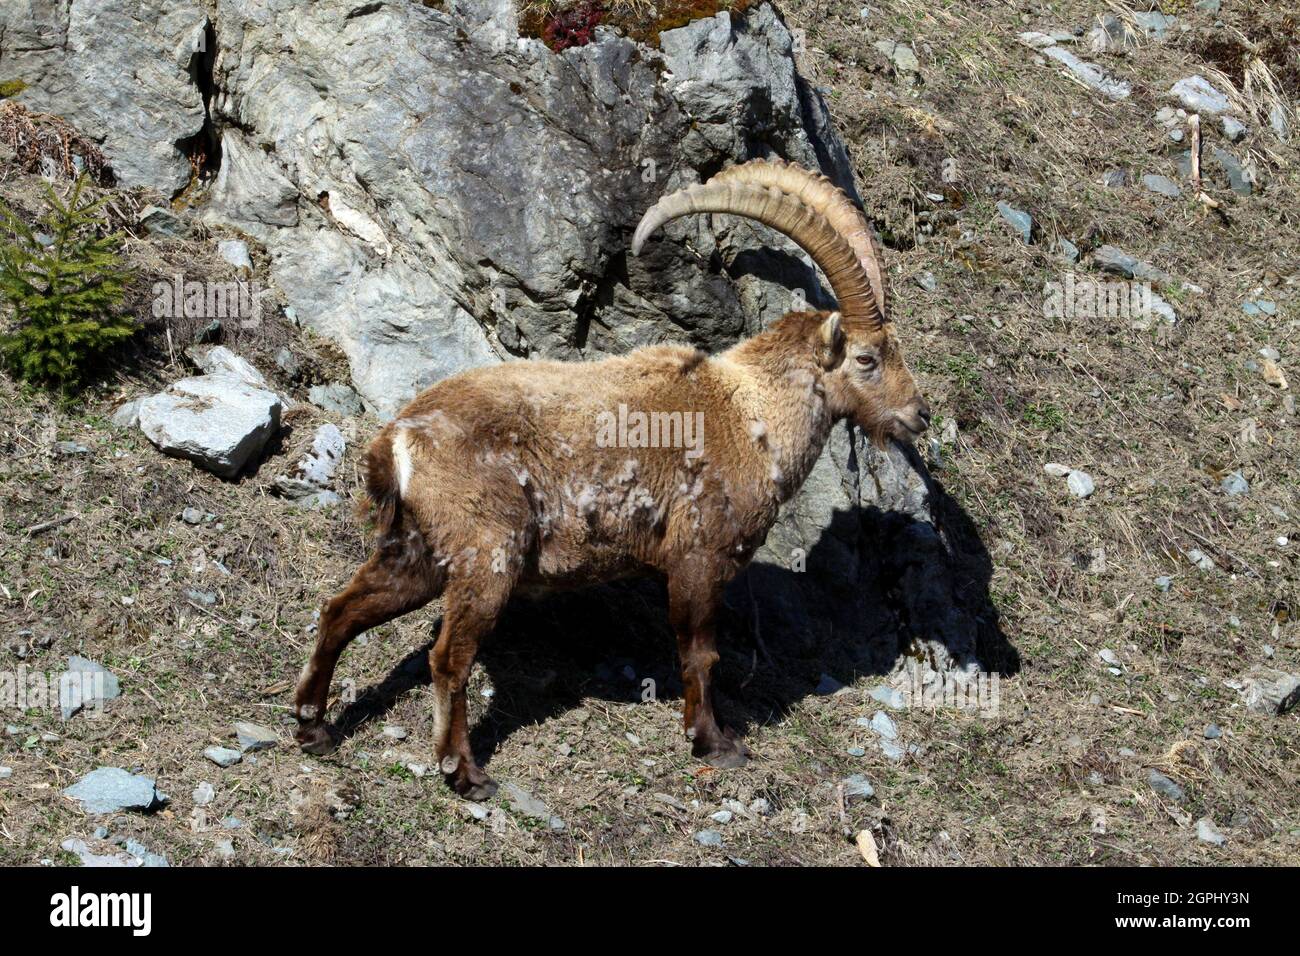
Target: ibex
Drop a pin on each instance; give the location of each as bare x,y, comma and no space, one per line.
505,479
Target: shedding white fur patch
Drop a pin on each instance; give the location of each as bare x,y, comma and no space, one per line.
402,457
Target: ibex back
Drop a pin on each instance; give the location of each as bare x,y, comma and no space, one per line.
665,461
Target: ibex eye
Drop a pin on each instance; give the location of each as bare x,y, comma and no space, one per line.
868,362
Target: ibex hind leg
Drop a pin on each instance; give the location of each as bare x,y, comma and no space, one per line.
395,580
472,609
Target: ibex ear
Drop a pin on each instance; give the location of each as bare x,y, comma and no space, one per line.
831,342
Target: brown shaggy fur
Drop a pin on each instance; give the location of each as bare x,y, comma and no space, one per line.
521,476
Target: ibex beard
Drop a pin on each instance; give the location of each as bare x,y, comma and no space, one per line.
498,481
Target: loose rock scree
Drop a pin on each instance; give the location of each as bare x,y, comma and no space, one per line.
512,479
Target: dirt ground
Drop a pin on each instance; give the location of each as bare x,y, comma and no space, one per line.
1158,416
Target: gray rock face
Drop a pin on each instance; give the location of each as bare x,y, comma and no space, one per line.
123,70
110,789
218,421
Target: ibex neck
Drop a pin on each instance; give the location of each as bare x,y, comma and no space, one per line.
782,395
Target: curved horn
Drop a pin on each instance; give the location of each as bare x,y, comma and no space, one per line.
772,206
827,199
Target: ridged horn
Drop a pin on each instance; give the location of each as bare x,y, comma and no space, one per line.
787,214
829,200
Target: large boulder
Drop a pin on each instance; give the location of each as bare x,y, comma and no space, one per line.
218,421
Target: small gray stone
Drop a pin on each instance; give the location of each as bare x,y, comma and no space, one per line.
394,732
1266,690
337,399
858,787
223,756
68,449
143,856
1114,178
203,794
1259,307
856,751
900,54
110,789
722,816
192,516
890,697
6,773
84,683
1163,582
158,221
927,281
1080,484
1069,251
1018,219
225,849
884,725
1198,95
88,858
521,801
288,363
235,252
127,415
254,737
1206,832
1200,559
1089,74
1165,787
1154,22
1233,130
1162,185
1113,260
1235,484
1239,180
708,838
1212,732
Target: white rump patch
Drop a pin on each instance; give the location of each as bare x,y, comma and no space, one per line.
402,456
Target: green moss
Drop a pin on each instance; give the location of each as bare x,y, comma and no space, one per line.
10,88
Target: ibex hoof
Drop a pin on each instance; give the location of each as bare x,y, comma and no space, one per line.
478,792
725,754
316,739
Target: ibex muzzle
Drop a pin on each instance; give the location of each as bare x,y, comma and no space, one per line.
507,477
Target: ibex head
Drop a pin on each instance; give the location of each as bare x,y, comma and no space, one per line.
866,377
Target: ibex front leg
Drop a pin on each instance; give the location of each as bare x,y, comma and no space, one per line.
393,582
694,596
